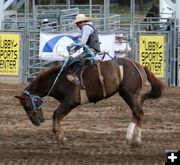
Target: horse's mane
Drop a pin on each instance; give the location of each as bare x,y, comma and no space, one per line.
42,75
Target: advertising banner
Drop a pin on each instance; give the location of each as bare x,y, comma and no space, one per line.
9,53
152,53
53,47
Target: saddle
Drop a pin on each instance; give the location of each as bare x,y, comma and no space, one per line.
76,71
78,64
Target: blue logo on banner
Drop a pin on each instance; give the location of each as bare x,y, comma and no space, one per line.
49,46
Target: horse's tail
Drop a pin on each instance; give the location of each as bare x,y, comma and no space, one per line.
156,86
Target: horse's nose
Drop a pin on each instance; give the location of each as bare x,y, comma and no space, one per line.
36,121
42,119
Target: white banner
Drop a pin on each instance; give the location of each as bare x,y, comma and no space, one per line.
107,44
53,47
167,7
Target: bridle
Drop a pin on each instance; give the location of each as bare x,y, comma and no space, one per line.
33,99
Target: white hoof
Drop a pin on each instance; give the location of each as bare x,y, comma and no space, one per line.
129,138
137,136
129,142
137,141
64,139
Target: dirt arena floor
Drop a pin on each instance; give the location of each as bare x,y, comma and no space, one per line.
95,132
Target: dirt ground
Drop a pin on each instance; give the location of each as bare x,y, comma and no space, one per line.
95,132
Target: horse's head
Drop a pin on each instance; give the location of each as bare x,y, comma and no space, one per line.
32,105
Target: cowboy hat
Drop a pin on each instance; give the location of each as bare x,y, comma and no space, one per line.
45,20
81,17
120,36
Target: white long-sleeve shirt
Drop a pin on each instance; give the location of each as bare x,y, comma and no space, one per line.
86,31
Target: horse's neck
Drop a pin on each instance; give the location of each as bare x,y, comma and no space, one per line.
38,88
44,85
50,83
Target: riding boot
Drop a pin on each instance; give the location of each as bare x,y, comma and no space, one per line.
74,70
74,79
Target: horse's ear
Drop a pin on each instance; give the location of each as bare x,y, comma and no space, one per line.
19,97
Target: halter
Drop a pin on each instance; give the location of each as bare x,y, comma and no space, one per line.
33,99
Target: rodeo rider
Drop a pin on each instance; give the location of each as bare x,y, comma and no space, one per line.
89,36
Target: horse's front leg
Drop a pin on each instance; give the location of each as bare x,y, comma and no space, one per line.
58,116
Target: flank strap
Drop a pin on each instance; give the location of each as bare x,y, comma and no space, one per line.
101,78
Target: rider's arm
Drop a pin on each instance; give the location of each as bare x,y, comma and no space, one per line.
85,33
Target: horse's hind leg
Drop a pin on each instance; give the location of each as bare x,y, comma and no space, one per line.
137,131
133,134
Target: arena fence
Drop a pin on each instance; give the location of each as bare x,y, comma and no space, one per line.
114,24
178,60
85,9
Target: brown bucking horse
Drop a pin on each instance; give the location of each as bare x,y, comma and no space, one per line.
98,81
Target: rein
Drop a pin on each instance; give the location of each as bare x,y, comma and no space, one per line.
33,99
104,54
67,59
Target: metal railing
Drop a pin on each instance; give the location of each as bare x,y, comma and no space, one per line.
178,60
84,9
111,24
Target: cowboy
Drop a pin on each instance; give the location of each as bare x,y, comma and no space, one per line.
121,47
88,37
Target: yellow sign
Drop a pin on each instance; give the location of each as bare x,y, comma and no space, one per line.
152,53
9,53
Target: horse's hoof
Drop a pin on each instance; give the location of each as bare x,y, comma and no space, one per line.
136,142
129,141
62,141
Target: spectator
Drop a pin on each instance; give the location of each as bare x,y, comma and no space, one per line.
121,47
45,26
152,16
